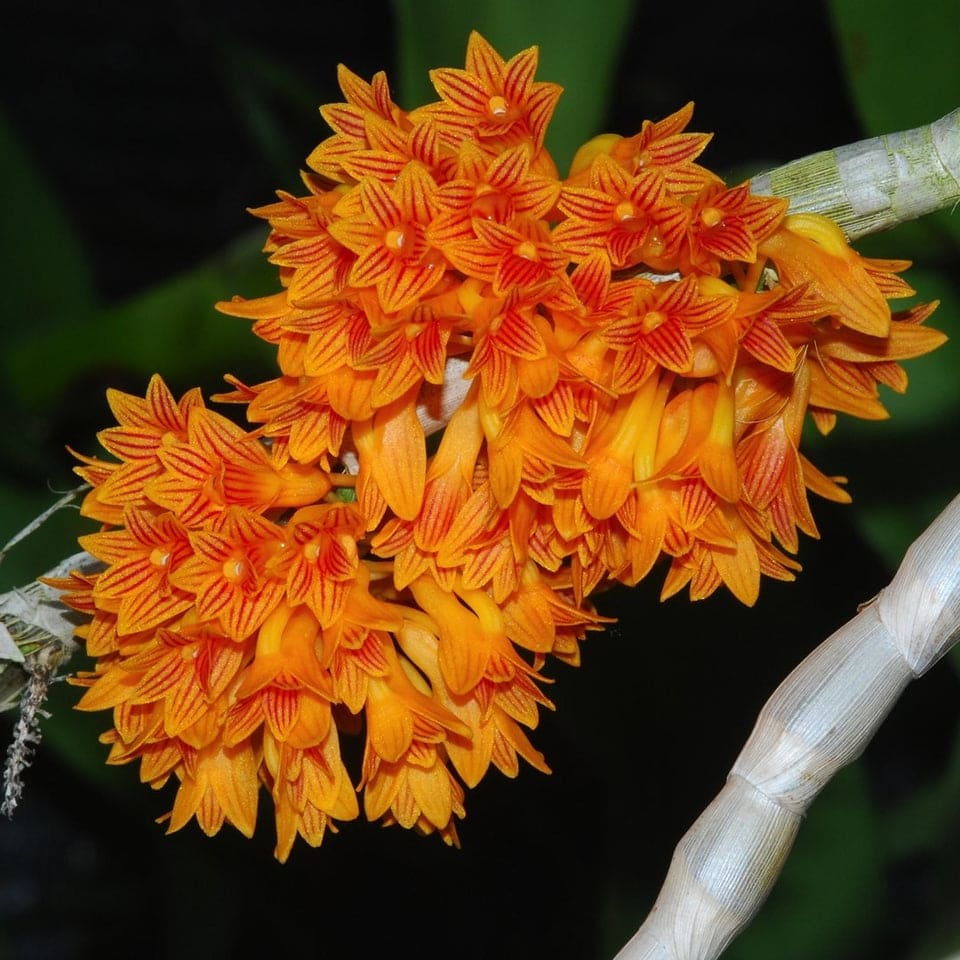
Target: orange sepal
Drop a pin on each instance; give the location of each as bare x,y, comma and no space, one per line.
392,448
222,784
811,249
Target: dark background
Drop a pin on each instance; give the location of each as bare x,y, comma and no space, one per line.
149,131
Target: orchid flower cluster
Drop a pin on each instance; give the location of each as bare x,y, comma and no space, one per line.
634,351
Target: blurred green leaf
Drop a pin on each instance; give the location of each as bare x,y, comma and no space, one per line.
927,815
924,829
580,48
931,240
171,327
891,526
901,60
46,276
258,83
903,72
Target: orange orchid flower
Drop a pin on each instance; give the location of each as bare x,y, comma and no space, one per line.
624,359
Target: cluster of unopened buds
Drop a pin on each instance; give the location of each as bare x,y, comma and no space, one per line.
624,361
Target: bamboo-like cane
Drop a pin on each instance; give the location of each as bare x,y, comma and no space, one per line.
817,721
875,184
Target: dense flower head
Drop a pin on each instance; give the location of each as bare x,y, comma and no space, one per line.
622,363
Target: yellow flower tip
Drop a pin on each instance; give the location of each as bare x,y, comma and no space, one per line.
300,485
809,249
711,216
589,151
822,231
606,487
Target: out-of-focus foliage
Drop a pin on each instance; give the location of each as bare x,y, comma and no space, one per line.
578,49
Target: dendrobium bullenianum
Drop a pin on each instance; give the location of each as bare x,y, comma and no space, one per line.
638,346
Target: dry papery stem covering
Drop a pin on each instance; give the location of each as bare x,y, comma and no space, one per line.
326,571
